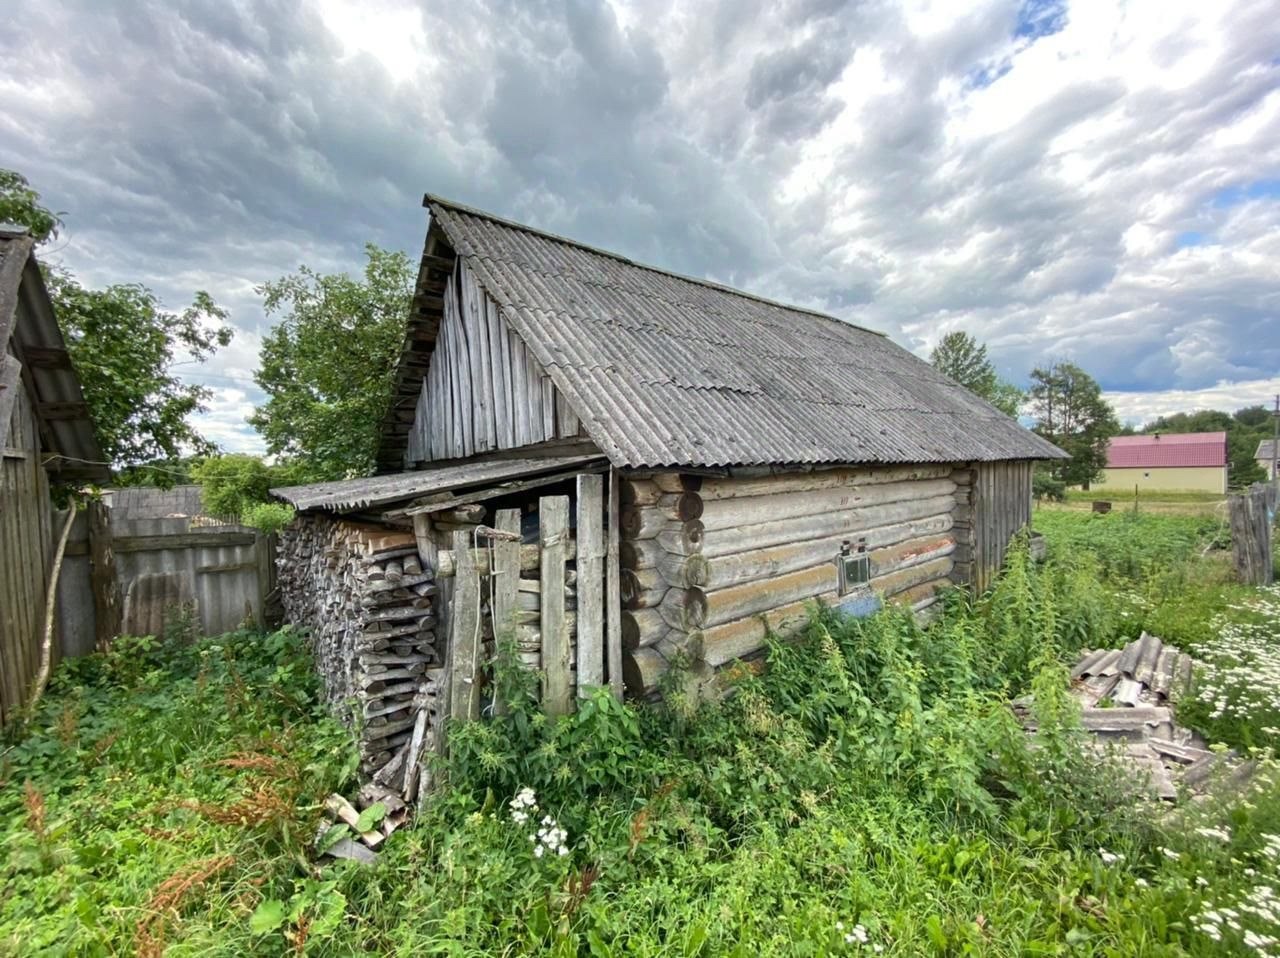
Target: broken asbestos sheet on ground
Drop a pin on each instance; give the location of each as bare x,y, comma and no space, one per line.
1126,697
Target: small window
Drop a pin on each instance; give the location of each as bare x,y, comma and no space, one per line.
853,568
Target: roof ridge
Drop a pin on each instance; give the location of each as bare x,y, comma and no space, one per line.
430,199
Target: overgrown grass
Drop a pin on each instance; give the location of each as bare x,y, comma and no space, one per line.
869,793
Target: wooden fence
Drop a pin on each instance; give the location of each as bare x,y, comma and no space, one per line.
1253,516
142,576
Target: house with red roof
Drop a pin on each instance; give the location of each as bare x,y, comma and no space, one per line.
1167,462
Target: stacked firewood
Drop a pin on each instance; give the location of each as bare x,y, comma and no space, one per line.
367,600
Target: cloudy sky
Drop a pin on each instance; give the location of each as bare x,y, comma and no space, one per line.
1093,181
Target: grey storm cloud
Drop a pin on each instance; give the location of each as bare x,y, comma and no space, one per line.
1060,181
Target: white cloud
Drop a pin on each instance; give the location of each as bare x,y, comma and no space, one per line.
1136,408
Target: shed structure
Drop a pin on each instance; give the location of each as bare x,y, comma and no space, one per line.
45,436
754,455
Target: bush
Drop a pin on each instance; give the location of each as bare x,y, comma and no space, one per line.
268,517
1044,486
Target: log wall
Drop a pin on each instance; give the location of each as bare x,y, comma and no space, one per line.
706,561
484,390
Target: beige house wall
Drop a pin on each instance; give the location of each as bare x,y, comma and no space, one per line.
1167,479
1265,466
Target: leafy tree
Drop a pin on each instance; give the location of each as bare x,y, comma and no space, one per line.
1253,417
1070,412
327,366
964,359
125,346
20,205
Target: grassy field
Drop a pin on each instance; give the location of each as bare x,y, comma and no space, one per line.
1157,503
870,794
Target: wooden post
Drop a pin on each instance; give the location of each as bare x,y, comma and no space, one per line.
1251,536
102,576
613,591
553,530
590,537
503,580
464,641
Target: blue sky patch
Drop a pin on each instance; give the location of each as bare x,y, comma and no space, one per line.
1190,238
1257,190
1040,18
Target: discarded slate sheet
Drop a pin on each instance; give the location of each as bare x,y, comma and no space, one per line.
1126,697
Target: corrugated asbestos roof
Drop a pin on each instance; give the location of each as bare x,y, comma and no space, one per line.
351,494
664,370
1167,450
29,331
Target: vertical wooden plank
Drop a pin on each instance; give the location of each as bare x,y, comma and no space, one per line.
553,531
464,640
613,591
548,407
504,579
591,653
506,573
483,394
102,576
496,354
520,395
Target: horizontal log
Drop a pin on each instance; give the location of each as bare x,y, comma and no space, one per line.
742,637
641,671
684,609
676,482
641,588
724,571
643,627
447,563
752,510
714,489
639,492
641,522
752,598
676,569
853,523
685,538
734,639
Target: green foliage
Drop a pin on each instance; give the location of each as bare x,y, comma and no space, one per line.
163,780
326,367
235,487
125,347
870,792
964,359
1067,405
230,483
20,204
1044,486
268,517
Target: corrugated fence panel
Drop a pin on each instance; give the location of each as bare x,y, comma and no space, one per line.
222,580
25,552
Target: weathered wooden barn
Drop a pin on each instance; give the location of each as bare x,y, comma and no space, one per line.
47,437
751,457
